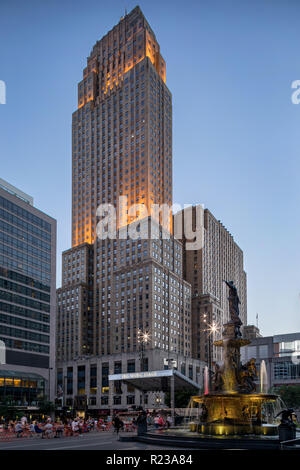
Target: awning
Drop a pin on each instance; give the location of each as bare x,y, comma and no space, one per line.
20,375
157,381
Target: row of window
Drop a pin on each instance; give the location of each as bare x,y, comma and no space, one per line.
24,236
24,258
24,225
15,332
24,345
25,247
35,294
15,321
24,268
23,279
17,299
19,211
24,312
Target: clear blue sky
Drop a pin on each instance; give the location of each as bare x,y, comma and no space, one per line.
230,65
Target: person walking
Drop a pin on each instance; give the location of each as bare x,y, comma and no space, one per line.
117,424
169,421
142,422
161,422
75,427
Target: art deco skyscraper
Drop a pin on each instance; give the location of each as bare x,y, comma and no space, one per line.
122,129
122,146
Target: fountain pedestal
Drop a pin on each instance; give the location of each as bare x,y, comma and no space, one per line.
234,407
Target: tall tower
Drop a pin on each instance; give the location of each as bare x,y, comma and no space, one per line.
122,146
122,129
219,258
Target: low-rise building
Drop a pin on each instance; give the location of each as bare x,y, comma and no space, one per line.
83,385
281,354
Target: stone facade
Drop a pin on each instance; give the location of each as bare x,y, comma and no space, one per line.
219,258
86,386
115,290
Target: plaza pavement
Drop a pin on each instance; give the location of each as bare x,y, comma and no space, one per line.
89,441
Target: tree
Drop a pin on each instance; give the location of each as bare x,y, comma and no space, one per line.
182,399
290,395
6,408
46,407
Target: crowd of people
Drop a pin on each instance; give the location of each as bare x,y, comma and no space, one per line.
48,428
54,428
158,421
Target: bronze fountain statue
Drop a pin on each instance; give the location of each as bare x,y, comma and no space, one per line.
233,406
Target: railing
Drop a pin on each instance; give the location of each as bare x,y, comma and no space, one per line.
289,442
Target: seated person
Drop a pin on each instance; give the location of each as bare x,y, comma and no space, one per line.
37,429
19,429
59,429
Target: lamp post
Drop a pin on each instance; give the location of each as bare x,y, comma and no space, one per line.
211,328
65,391
143,339
172,387
157,400
49,388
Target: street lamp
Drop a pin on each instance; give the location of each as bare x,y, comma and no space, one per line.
211,328
65,378
157,400
143,339
49,370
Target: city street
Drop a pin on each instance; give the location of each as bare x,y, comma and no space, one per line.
89,441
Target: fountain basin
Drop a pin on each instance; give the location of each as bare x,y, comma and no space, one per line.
236,414
236,429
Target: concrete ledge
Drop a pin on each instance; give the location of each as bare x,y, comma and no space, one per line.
125,438
208,443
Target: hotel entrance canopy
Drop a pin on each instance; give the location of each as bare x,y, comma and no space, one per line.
157,380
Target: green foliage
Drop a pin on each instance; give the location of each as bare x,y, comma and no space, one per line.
290,394
46,407
182,399
7,410
4,410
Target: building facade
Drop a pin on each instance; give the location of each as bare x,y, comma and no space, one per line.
115,290
281,354
84,384
74,335
27,298
219,258
251,332
122,129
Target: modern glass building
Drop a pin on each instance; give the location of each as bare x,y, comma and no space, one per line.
22,389
27,297
281,354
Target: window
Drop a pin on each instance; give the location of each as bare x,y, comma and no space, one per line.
263,351
130,399
117,400
130,366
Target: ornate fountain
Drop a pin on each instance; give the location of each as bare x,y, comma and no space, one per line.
233,406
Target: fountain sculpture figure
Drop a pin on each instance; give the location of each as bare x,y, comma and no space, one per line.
233,406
